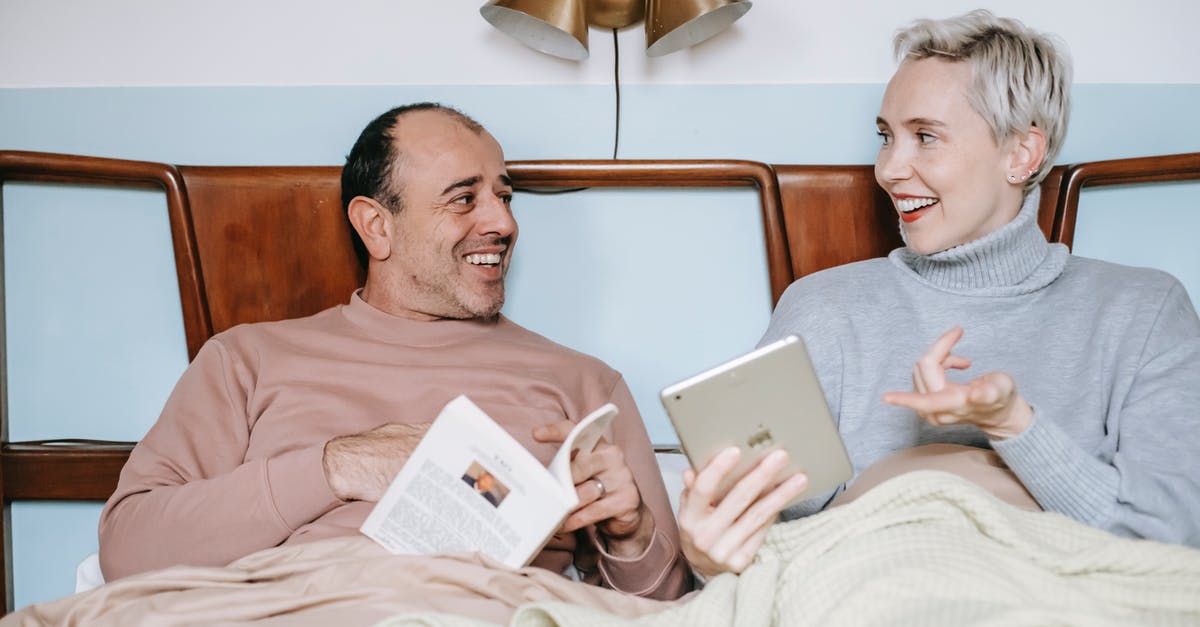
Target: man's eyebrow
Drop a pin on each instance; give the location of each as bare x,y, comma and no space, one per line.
467,182
506,179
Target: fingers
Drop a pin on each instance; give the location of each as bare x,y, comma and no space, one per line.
619,498
937,407
619,501
697,499
721,535
715,544
929,369
553,432
956,362
747,490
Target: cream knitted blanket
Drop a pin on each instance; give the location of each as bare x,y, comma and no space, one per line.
928,548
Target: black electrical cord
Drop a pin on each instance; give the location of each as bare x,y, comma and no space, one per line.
617,89
616,122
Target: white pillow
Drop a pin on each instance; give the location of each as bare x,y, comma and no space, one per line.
672,465
88,575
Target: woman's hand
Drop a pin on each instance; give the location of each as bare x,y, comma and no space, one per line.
723,534
990,402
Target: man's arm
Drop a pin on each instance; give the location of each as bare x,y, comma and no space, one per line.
659,571
187,495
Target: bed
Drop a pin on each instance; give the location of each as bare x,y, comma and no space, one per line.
237,230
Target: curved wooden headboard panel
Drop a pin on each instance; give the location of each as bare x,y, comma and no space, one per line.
265,243
1157,169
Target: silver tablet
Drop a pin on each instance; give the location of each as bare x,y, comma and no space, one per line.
764,400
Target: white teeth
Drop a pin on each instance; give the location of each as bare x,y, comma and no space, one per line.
912,204
490,259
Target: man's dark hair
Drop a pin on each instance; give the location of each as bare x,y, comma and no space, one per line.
369,166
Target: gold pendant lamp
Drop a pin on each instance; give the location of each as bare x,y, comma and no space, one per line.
673,25
559,27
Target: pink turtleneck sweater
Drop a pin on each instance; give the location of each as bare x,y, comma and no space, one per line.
234,463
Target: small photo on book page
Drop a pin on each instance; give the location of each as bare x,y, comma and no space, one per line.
485,483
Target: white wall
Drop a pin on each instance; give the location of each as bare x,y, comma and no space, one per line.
46,43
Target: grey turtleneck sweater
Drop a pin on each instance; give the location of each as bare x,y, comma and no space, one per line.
1108,356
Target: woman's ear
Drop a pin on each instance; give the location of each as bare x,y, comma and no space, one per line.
1027,154
373,222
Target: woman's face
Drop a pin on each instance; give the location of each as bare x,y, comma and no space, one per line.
939,162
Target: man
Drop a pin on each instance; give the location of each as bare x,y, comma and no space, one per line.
289,432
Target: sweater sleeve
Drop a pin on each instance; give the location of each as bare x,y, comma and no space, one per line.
660,572
794,316
1151,487
187,495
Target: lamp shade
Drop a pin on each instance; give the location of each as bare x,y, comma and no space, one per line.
677,24
614,13
555,27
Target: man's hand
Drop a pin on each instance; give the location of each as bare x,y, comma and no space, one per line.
990,402
722,535
361,467
608,496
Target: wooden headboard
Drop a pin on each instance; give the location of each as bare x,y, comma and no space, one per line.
267,243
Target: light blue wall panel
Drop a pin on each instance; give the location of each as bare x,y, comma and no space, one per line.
658,283
94,324
1140,225
684,290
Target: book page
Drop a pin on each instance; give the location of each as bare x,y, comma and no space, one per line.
583,437
469,486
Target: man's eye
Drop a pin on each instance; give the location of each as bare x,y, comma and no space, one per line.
884,136
465,199
507,198
925,138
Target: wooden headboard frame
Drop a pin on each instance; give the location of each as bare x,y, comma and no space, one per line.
814,217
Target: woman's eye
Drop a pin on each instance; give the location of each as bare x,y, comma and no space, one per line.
925,138
886,138
507,198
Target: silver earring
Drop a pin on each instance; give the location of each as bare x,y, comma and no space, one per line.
1012,178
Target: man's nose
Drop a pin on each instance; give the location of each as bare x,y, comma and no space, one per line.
497,217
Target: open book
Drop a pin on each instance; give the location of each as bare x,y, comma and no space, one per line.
469,486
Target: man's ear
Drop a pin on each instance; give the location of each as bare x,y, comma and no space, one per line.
373,222
1027,154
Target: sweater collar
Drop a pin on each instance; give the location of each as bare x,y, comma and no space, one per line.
396,330
1014,260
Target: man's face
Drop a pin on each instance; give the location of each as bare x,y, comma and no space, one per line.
453,238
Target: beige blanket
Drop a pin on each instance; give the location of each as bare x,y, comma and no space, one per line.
341,582
928,548
924,548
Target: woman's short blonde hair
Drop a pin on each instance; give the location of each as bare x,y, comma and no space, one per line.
1022,78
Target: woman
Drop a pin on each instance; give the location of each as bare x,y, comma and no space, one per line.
1092,388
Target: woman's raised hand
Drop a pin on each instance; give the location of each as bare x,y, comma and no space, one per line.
990,402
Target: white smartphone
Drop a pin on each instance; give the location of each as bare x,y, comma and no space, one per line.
762,401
